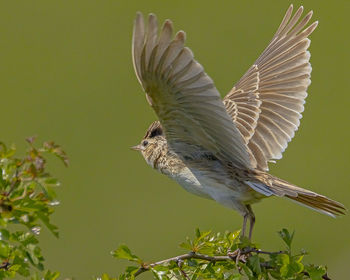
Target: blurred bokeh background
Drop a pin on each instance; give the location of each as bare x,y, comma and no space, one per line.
66,75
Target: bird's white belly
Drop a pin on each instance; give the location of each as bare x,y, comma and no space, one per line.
201,184
191,184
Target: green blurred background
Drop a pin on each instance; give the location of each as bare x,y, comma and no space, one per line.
66,75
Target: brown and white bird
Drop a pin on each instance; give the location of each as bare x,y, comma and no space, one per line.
220,149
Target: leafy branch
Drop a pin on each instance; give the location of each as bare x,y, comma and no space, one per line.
27,200
238,255
225,256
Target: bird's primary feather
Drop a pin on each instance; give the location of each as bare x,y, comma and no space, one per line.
267,102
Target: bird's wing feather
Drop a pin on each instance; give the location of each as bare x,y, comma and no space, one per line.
242,103
183,96
270,97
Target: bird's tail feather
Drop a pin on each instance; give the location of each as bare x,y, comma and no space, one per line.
307,198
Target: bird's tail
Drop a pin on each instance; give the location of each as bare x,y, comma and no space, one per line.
306,198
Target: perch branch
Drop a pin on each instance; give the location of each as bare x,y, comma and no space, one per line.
237,255
193,255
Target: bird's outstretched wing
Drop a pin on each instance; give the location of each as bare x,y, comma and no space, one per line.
183,96
266,104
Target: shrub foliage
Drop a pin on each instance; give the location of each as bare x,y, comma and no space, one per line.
225,256
27,200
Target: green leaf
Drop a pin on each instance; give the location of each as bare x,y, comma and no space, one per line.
203,235
233,236
192,262
245,242
4,234
283,261
186,246
291,267
296,267
286,237
315,272
106,277
248,272
160,272
236,277
51,275
197,233
3,183
123,252
45,219
254,263
4,250
209,268
51,181
131,270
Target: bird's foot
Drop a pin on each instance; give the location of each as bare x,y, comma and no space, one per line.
240,254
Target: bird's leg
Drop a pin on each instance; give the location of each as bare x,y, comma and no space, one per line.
251,221
245,218
239,254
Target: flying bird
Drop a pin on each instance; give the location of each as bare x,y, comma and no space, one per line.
220,148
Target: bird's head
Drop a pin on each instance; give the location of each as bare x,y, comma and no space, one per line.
152,143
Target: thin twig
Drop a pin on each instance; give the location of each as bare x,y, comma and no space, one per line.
258,251
179,262
13,183
23,195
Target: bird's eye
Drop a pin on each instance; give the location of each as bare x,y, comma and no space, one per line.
145,143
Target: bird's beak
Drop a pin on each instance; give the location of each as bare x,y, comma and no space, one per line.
136,148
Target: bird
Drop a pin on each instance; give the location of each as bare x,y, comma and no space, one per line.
218,148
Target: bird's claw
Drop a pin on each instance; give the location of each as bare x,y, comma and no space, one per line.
240,255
